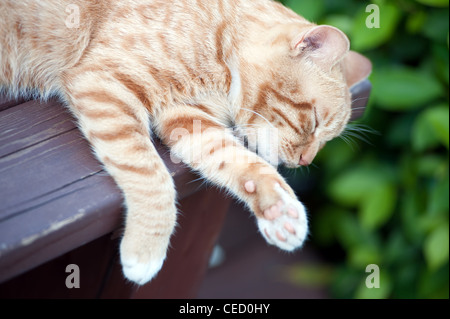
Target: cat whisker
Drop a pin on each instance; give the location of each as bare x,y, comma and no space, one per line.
358,108
360,131
348,141
361,128
304,170
256,113
196,180
359,99
360,137
314,165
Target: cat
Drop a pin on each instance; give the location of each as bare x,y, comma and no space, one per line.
209,78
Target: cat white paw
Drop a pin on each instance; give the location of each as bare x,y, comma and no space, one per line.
138,272
285,224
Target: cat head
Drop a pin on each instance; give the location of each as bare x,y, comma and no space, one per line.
303,97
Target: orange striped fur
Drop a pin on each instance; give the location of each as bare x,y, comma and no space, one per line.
239,68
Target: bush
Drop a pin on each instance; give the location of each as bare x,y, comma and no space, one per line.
388,200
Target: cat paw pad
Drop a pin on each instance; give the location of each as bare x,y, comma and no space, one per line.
284,224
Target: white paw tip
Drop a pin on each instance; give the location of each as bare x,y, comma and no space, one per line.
141,273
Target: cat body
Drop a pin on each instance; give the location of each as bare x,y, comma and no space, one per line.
204,76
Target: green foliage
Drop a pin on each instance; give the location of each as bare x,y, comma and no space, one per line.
402,88
387,203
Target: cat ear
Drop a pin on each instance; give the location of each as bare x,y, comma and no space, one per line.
324,44
356,68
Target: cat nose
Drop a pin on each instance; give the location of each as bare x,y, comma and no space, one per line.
303,162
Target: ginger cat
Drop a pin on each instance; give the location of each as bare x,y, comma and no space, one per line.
206,77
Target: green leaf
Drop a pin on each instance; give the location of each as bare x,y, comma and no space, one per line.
423,136
434,284
411,208
434,3
350,234
430,165
399,131
441,61
439,200
438,117
401,88
416,21
348,230
364,37
397,251
436,26
436,247
431,128
353,186
378,206
349,188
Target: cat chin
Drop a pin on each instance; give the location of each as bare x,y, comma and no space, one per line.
287,164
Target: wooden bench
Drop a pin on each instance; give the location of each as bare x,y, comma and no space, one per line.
59,207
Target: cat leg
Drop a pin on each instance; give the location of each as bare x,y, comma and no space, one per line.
117,126
221,158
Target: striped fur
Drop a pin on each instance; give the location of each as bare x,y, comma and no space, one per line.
205,76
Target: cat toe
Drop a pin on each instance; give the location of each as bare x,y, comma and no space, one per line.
290,228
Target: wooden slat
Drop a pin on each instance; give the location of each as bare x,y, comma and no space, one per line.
29,175
31,123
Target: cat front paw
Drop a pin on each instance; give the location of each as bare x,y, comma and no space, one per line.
285,223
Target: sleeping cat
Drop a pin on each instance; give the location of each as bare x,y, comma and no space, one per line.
206,77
